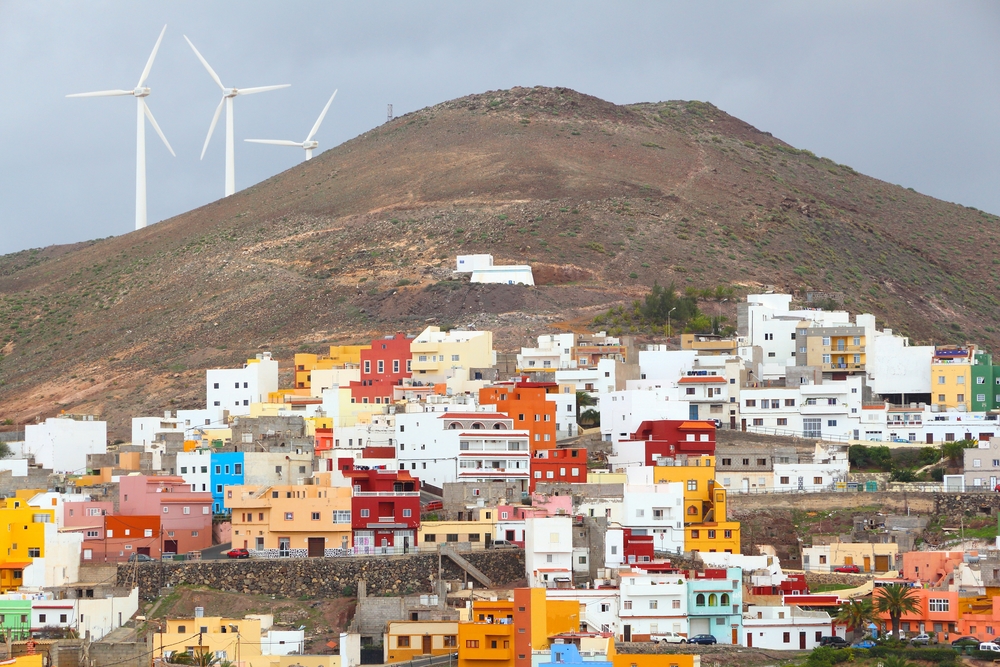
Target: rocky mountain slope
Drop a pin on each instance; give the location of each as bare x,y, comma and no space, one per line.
601,199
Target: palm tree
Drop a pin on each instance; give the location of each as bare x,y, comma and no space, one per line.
895,661
897,600
202,659
857,614
583,400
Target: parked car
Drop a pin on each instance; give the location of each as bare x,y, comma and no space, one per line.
989,646
502,544
238,553
833,642
850,569
703,639
922,639
965,641
142,558
668,638
864,643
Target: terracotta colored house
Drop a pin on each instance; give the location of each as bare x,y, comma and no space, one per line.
383,366
185,517
120,537
525,403
558,465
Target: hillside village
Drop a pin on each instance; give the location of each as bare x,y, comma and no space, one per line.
580,498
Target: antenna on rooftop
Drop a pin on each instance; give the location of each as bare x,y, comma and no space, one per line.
388,114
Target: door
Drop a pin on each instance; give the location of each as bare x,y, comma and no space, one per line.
868,564
743,427
802,641
317,547
746,485
145,550
735,636
284,547
693,411
170,546
426,648
881,563
259,545
627,633
749,639
993,482
732,423
930,438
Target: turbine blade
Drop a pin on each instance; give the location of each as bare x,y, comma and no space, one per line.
321,117
276,142
260,89
152,121
204,62
102,93
211,128
149,63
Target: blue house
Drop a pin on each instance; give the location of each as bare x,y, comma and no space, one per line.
226,469
715,604
561,655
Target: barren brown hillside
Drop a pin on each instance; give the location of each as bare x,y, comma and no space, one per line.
601,199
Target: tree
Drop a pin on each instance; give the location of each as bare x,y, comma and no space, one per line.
200,659
955,451
583,400
896,600
663,303
895,661
590,418
857,614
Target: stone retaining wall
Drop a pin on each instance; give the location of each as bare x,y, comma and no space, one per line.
947,504
322,577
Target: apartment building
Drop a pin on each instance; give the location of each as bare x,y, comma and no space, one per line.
385,510
235,389
185,516
653,599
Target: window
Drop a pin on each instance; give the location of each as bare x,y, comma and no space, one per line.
41,618
784,480
751,403
938,604
627,604
960,398
364,513
960,379
452,537
689,391
407,512
653,604
450,641
35,552
699,600
289,516
695,534
786,637
758,422
402,642
430,537
782,421
692,485
471,643
831,422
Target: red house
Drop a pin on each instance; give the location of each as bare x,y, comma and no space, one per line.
636,548
558,465
117,538
795,584
384,365
385,509
670,437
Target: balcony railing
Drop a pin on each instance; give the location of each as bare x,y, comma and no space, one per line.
387,494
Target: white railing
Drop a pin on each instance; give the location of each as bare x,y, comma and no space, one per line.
386,494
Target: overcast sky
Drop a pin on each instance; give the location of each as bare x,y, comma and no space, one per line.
908,92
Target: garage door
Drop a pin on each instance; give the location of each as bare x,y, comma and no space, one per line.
317,547
881,563
700,626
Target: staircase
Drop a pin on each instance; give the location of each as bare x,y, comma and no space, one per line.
447,551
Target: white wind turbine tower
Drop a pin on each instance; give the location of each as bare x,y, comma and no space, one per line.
227,98
140,93
309,144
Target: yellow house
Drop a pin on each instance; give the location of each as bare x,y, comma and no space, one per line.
867,556
236,640
837,349
339,357
22,541
705,508
478,532
449,356
296,520
406,640
709,344
951,377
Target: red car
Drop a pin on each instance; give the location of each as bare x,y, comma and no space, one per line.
850,569
238,553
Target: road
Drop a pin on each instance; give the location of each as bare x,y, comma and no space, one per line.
217,552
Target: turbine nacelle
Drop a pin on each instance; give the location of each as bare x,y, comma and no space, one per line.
309,145
230,92
141,92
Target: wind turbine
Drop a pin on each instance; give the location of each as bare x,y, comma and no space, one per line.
227,98
308,144
140,93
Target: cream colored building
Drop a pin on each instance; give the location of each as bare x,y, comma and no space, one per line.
478,532
450,357
868,557
295,520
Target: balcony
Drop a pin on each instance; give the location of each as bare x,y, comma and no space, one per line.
386,494
835,367
822,409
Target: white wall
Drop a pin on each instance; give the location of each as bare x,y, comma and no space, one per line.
896,367
519,274
768,632
61,563
641,503
235,389
189,466
101,615
539,546
623,411
283,642
62,444
468,263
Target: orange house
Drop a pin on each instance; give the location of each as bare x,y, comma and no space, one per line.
937,615
120,538
525,403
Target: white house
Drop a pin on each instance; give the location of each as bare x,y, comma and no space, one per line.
145,429
651,603
548,551
195,468
785,627
485,271
598,606
235,389
657,510
554,352
622,412
63,443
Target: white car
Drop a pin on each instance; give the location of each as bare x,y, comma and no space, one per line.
989,646
668,638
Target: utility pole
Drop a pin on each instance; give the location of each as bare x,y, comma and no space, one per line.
388,115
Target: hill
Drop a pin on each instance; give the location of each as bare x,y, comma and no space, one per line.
601,199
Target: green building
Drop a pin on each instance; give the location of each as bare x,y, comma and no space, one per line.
15,617
985,391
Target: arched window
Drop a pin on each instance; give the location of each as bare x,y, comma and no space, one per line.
477,425
692,510
498,426
725,599
713,600
699,600
454,425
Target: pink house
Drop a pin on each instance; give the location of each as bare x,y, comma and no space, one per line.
88,514
185,516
